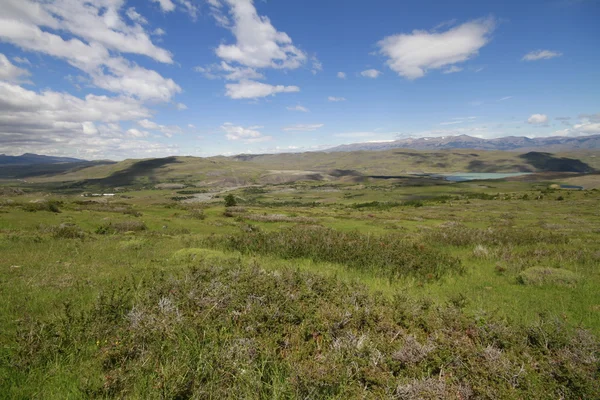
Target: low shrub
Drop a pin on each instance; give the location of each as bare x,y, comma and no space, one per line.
45,205
229,331
64,231
389,255
457,234
121,227
538,276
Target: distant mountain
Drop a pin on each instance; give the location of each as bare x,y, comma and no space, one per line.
509,143
32,159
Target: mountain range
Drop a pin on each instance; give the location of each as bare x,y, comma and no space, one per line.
509,143
31,159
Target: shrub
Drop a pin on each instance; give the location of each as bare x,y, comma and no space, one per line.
64,231
390,255
537,276
230,200
120,227
50,206
223,330
457,234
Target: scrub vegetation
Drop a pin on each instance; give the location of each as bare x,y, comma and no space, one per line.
383,288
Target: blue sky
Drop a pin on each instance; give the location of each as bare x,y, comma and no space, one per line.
147,78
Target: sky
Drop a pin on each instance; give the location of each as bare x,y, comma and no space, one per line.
117,79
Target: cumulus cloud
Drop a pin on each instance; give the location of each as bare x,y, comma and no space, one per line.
258,43
247,135
135,16
167,130
298,108
411,55
537,119
303,127
137,133
9,71
541,55
371,73
165,5
247,89
341,75
103,31
336,99
58,123
228,72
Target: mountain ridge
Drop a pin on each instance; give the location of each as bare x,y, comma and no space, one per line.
508,143
32,159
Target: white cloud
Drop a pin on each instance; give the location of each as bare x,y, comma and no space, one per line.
159,32
453,69
303,127
21,60
588,128
336,99
412,55
247,135
537,119
147,124
167,130
541,55
371,73
181,106
103,30
341,75
258,43
239,73
51,122
298,108
247,89
505,98
135,16
228,72
10,72
137,133
317,66
165,5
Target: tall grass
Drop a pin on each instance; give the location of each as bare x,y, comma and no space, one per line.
388,255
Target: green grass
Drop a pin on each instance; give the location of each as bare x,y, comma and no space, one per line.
307,290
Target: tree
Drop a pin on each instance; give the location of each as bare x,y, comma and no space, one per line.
230,201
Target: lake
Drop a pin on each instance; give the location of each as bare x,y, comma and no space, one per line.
471,176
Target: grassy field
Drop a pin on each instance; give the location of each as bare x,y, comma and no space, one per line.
378,288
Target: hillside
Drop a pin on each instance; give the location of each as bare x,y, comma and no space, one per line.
29,159
318,166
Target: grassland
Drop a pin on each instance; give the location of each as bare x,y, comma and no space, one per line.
369,288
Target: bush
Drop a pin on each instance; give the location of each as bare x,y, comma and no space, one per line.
456,234
120,227
389,255
50,206
223,330
64,231
538,276
230,200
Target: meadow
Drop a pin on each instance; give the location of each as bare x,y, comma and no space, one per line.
377,288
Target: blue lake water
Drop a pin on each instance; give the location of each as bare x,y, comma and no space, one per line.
471,176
